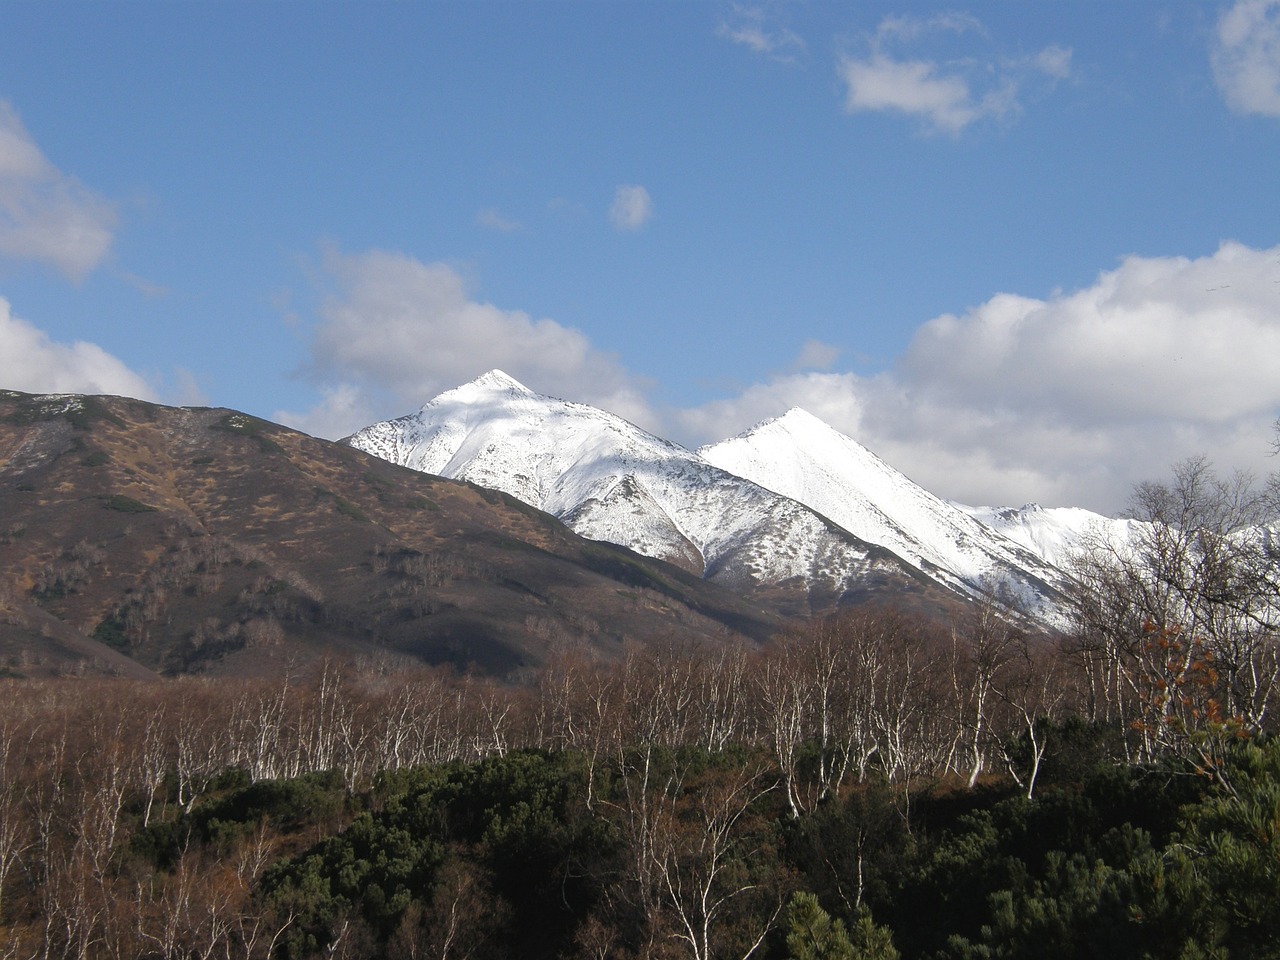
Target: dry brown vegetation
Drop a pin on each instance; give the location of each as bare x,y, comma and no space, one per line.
90,766
141,540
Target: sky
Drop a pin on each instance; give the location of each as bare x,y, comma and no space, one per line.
1022,251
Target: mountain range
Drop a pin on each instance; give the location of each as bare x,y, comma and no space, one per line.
790,504
486,530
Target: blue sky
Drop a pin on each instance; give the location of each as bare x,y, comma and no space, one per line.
1023,251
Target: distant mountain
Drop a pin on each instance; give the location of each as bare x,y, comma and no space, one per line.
1056,534
139,539
779,507
609,480
799,456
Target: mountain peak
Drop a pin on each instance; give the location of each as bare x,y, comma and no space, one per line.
494,386
496,379
791,500
801,416
796,422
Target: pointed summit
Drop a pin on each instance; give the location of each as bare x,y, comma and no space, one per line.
496,379
793,415
494,387
799,456
788,443
799,419
801,415
610,480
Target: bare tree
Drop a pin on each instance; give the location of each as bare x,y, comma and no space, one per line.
696,844
1032,689
15,821
1182,622
704,858
983,643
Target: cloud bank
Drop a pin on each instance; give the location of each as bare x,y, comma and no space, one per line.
31,362
1246,57
46,215
1067,400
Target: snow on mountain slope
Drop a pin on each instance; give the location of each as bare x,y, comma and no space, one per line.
801,457
610,480
1057,534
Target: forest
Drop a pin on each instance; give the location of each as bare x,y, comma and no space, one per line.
871,784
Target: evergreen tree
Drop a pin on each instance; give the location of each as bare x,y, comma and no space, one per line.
870,940
812,934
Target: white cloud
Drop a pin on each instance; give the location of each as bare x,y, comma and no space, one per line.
493,220
836,398
31,362
632,207
1246,57
947,93
46,215
1069,400
1054,61
343,409
911,87
816,355
909,28
1156,337
750,27
394,332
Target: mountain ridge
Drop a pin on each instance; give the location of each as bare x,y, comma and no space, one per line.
800,456
717,510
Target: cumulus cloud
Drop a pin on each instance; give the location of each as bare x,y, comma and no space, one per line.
31,362
343,409
632,207
1156,337
1246,57
394,331
913,87
751,27
1068,400
836,398
946,93
46,215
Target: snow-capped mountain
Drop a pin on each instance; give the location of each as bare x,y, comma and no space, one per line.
801,457
791,501
610,480
1057,534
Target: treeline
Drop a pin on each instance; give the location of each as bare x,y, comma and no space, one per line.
863,781
869,785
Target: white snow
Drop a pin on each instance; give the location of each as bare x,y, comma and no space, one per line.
790,498
610,480
1057,534
800,456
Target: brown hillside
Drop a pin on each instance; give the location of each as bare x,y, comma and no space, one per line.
141,539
